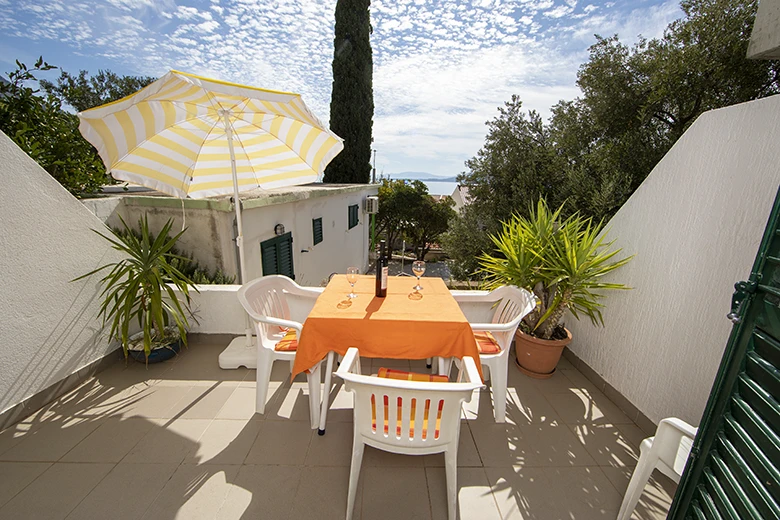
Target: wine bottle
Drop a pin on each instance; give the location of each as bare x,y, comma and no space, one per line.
381,271
385,270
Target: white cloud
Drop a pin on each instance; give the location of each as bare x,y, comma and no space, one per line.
440,67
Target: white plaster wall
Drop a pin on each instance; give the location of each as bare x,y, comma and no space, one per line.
765,38
339,249
695,225
217,310
208,236
48,325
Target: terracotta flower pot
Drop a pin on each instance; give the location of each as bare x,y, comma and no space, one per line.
536,357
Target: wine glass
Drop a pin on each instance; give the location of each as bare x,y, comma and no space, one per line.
352,278
418,268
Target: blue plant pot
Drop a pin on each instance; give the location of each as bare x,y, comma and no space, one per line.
157,355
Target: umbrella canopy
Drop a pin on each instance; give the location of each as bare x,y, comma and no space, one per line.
175,136
190,136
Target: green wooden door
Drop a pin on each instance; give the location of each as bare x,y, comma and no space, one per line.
732,472
277,255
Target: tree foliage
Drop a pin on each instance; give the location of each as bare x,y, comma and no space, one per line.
36,121
83,92
352,99
597,149
48,134
407,211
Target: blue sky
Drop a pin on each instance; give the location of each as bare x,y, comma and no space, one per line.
441,67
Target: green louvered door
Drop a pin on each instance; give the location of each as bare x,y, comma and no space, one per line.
277,255
732,472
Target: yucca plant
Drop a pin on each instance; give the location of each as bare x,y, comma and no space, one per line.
561,260
136,287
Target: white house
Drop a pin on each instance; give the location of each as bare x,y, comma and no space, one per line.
306,232
461,197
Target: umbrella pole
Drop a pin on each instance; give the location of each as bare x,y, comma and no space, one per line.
239,224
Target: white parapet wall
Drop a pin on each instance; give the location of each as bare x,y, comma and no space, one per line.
695,225
48,324
216,310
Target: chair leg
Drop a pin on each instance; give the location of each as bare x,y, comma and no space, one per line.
445,366
451,469
326,394
354,475
644,468
264,364
313,379
498,387
428,362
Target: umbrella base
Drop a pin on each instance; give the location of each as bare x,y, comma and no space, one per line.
237,354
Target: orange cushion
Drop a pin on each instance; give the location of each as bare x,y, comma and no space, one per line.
289,343
389,373
486,343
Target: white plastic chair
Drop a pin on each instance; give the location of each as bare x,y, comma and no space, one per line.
407,417
668,451
498,312
276,303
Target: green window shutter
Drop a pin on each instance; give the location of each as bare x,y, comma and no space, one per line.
277,256
316,226
732,471
286,256
269,257
353,215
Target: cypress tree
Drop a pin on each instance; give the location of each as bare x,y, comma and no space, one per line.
352,100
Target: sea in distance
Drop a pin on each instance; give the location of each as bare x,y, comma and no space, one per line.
440,188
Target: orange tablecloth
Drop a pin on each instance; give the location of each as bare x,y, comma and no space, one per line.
392,327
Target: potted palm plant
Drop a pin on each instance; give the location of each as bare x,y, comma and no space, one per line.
140,288
562,261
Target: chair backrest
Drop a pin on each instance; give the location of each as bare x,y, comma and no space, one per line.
407,414
506,305
276,296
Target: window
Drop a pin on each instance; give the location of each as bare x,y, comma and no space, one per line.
316,228
353,216
277,256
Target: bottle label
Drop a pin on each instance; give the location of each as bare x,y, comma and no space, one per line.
384,277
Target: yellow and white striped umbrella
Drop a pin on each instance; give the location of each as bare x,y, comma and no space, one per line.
179,134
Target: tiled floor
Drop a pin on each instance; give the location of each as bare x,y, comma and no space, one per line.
181,440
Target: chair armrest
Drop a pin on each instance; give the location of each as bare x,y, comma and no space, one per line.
495,327
276,321
351,358
675,426
475,295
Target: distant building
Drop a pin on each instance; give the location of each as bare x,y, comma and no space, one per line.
461,197
305,232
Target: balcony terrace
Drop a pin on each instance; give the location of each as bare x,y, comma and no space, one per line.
180,439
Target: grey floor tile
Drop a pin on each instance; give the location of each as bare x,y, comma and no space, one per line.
656,498
194,492
498,444
475,496
261,491
169,441
583,407
125,493
606,444
332,449
584,492
522,493
225,441
322,493
111,441
281,442
53,440
56,492
551,445
15,476
395,492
